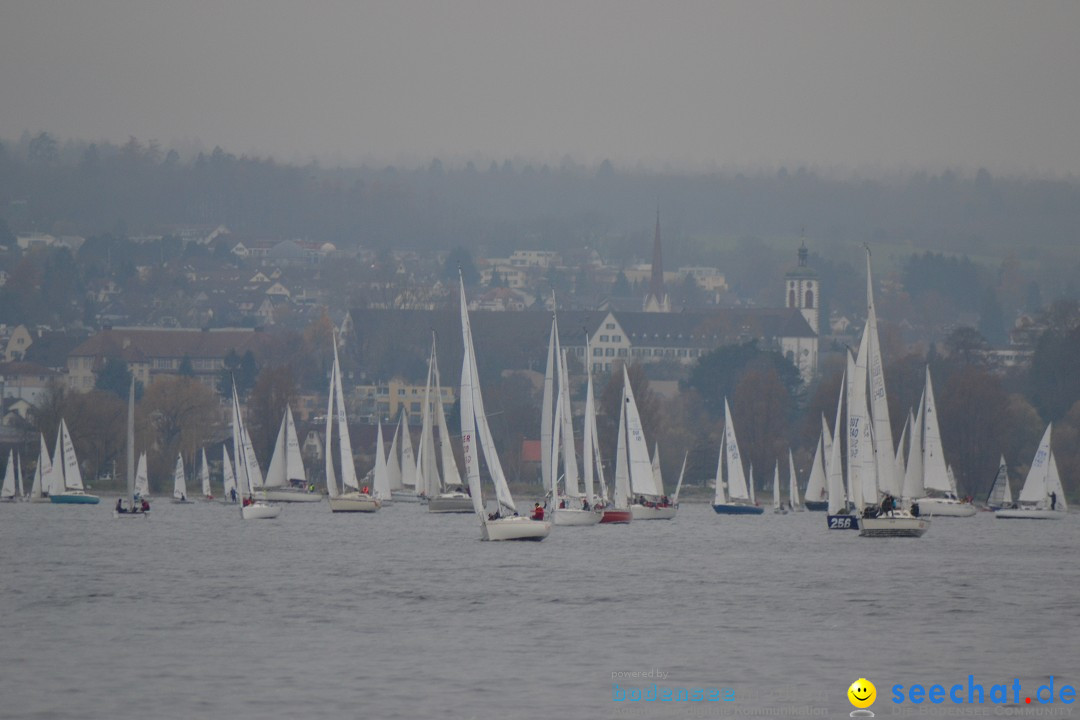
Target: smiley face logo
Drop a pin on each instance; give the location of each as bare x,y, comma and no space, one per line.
862,693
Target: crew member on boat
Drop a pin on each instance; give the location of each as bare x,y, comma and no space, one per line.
538,512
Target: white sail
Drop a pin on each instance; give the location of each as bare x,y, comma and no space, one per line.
427,471
275,474
294,459
793,484
750,484
899,467
243,483
7,491
19,475
1035,489
884,451
251,468
547,473
348,465
1053,486
641,476
571,480
393,463
621,496
54,484
408,459
913,473
861,466
228,479
827,436
835,480
678,485
815,486
450,475
776,486
590,449
736,479
720,486
556,449
42,473
130,459
381,479
142,477
328,437
658,477
935,470
72,475
482,435
179,480
204,476
1000,492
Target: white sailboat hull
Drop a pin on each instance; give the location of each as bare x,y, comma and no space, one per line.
289,495
900,524
644,512
945,507
260,511
354,502
456,502
139,514
1029,514
576,517
515,528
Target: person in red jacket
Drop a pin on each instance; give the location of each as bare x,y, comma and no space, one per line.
538,512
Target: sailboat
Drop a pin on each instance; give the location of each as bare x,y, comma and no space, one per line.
1042,497
648,501
248,475
841,510
286,480
204,478
405,489
348,497
870,432
1000,495
179,492
67,486
504,523
135,507
447,493
39,486
7,491
778,507
732,497
571,506
929,472
793,486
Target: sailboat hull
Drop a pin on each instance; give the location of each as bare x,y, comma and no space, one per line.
354,502
290,496
897,526
451,503
842,522
576,517
737,509
644,512
74,499
260,511
40,499
515,528
1029,514
820,506
945,507
137,514
404,496
612,516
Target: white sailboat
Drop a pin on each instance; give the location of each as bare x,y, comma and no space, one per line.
349,497
793,486
228,479
179,492
841,510
648,501
504,523
286,479
935,490
732,496
67,488
248,475
204,478
875,451
380,480
817,493
1000,495
134,506
447,493
7,490
406,476
39,486
1042,497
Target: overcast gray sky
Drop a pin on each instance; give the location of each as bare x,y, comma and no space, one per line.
865,85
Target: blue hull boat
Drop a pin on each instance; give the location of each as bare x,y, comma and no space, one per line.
74,499
737,509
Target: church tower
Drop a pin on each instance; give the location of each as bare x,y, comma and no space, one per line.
804,290
657,300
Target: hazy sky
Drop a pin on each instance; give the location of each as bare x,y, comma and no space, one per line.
867,85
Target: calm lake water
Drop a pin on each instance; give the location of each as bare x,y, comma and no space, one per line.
194,613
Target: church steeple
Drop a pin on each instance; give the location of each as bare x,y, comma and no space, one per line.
657,299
